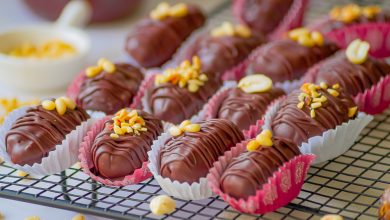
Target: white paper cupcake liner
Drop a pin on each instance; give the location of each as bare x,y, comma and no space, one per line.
96,114
60,159
332,143
195,191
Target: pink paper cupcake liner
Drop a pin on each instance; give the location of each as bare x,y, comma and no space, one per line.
374,100
74,88
292,19
284,185
377,34
138,176
140,96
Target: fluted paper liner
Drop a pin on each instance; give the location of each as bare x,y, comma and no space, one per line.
140,99
332,143
377,34
85,156
195,191
292,19
374,100
61,158
282,187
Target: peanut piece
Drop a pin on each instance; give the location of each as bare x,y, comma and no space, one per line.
162,205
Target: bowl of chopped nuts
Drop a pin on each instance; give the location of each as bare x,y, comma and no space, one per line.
45,57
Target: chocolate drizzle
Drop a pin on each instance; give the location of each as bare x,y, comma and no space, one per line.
245,109
115,158
189,157
109,92
153,42
353,77
287,60
171,103
250,170
297,125
264,15
219,54
34,135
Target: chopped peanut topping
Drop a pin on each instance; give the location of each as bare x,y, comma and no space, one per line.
126,122
352,12
162,205
357,51
164,10
53,49
102,64
264,139
305,37
78,217
185,75
228,29
255,83
8,105
185,126
61,105
313,97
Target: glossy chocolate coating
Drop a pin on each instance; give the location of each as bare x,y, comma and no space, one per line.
264,15
296,124
189,157
245,109
288,60
171,103
219,54
153,42
250,170
384,206
110,92
34,135
332,25
115,158
355,78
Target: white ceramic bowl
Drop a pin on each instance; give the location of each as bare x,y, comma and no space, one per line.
41,74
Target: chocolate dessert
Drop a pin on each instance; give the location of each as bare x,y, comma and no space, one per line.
286,60
311,111
222,48
34,135
259,165
179,93
109,91
122,146
154,40
188,156
262,15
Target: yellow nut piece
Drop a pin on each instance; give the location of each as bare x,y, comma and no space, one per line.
336,86
323,85
184,123
78,217
300,105
193,87
101,62
333,92
175,131
114,136
243,31
228,29
48,105
317,38
32,218
315,105
352,111
357,51
109,67
306,40
332,217
162,205
70,104
21,173
371,11
192,128
178,10
264,141
60,106
252,145
50,49
267,133
93,71
255,83
296,33
312,113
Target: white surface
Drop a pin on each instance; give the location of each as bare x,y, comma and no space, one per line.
107,40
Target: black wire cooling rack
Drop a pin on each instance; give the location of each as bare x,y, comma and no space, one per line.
349,185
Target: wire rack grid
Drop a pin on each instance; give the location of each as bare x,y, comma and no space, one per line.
349,185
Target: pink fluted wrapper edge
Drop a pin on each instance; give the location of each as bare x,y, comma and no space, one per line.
137,100
377,34
73,89
374,100
284,185
138,176
292,19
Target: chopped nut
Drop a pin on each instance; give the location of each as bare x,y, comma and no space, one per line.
300,105
60,106
336,86
315,105
21,173
312,113
69,103
255,83
252,145
48,105
333,92
302,96
332,217
267,133
184,123
192,128
323,85
193,87
33,218
175,131
243,31
321,99
317,38
93,71
162,205
178,10
357,51
371,11
264,140
114,136
78,217
296,33
306,41
352,111
109,67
